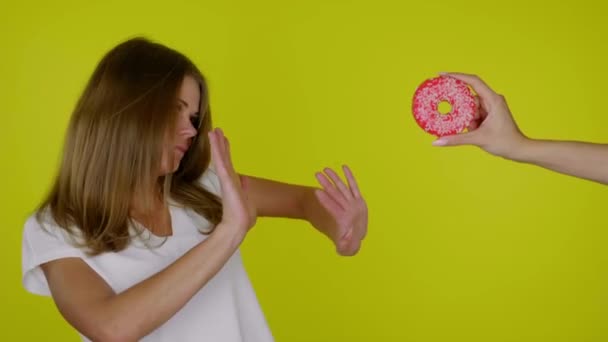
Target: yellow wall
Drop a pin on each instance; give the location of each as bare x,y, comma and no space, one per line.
462,246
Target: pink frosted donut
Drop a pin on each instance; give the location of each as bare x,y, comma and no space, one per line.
436,90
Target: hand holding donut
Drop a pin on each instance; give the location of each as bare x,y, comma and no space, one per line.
492,127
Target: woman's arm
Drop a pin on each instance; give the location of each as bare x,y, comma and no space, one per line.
88,303
337,210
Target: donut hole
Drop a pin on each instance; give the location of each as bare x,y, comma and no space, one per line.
444,107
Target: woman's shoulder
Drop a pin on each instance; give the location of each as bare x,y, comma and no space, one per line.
44,241
40,226
41,220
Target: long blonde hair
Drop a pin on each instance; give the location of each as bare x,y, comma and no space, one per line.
114,142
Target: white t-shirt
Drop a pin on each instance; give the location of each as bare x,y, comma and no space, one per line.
226,309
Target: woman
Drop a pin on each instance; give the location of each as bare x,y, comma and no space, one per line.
139,237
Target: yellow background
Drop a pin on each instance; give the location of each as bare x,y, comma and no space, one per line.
462,246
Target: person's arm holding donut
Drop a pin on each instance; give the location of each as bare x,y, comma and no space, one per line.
495,131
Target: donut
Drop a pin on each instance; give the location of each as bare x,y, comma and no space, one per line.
428,96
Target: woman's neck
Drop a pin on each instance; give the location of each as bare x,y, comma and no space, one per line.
148,200
152,212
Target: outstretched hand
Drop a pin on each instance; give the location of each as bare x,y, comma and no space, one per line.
239,212
347,208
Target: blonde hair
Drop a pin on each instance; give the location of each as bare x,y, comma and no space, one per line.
113,145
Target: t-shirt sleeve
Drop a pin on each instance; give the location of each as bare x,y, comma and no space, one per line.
40,245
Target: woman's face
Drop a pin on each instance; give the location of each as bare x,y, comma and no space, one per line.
178,142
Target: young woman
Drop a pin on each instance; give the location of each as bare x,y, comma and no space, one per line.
139,237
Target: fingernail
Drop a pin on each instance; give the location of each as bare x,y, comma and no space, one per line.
440,142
